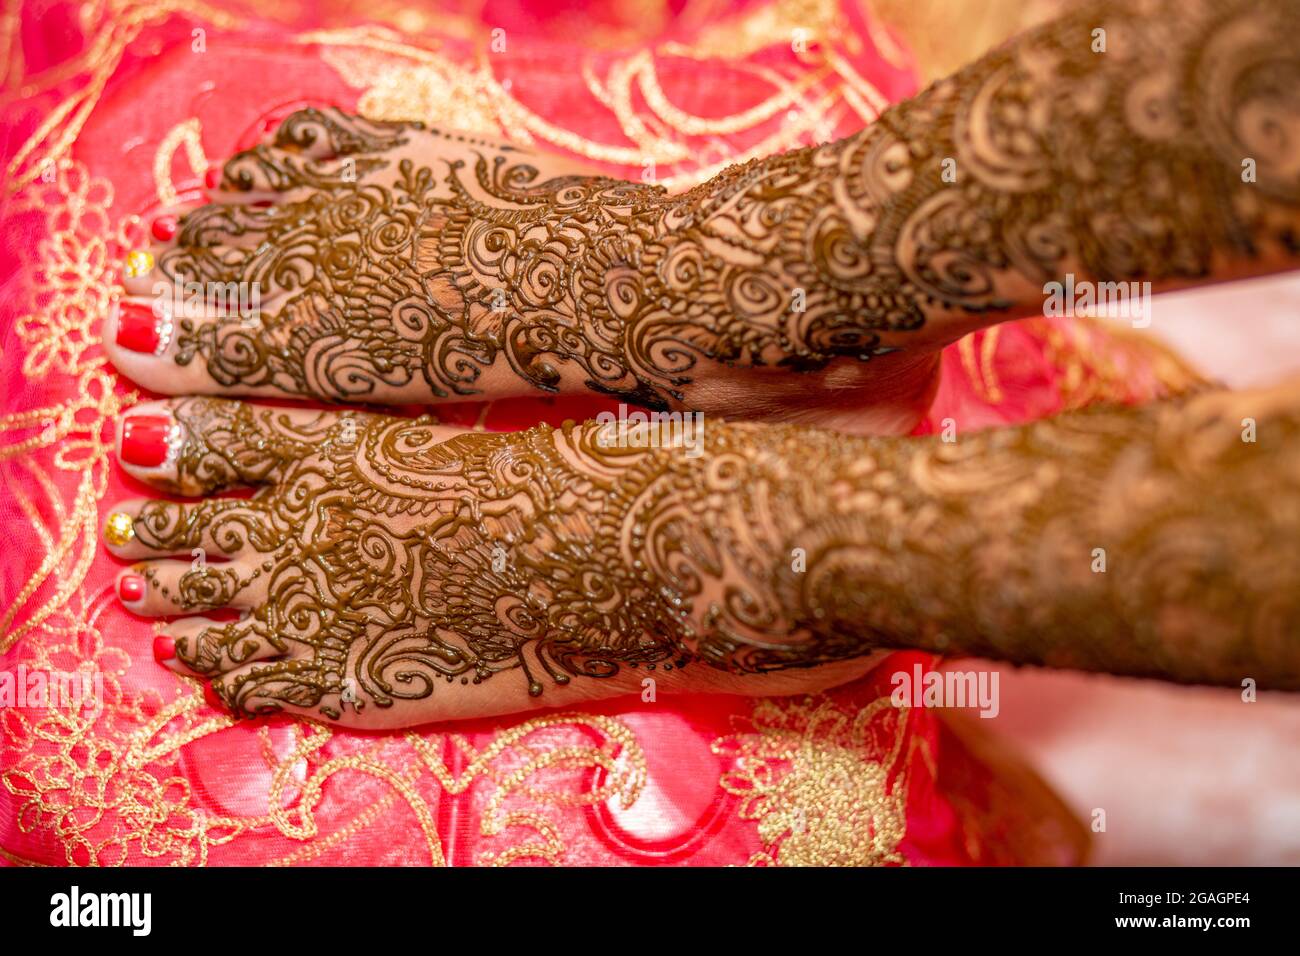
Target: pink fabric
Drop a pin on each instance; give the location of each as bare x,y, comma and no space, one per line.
159,778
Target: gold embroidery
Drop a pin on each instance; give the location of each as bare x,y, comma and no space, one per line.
619,756
117,24
1095,361
824,784
189,135
111,787
402,81
773,24
945,35
1091,361
106,786
72,275
69,288
982,370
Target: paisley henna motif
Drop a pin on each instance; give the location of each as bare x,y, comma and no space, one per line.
401,256
388,558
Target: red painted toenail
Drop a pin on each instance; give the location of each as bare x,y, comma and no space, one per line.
145,440
164,227
140,329
164,648
212,178
131,587
213,698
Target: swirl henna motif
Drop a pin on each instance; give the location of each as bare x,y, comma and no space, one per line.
390,559
404,263
381,554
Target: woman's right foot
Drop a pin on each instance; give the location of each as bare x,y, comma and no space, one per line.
386,263
390,572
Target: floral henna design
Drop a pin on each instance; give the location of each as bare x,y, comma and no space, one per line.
386,557
308,133
392,559
381,285
439,257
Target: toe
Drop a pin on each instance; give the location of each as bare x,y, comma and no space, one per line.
208,352
242,225
166,222
139,267
221,528
203,646
266,173
199,271
196,446
214,251
283,686
322,133
308,132
149,444
163,588
165,270
137,326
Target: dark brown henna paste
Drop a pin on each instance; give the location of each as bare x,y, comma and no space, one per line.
392,559
443,256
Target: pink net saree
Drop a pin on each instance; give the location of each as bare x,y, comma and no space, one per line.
114,109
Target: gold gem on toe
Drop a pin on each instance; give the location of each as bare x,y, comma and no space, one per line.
138,262
119,529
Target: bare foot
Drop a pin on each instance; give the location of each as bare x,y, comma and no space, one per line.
349,260
389,572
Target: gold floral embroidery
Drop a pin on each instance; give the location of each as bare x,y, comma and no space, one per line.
65,765
69,288
110,29
72,275
824,784
401,80
109,788
619,755
189,135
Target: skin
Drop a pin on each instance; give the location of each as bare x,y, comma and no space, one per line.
392,571
399,264
396,572
390,568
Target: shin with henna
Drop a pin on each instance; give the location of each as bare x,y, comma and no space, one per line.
1161,542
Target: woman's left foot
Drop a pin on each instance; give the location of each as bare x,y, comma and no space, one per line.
387,263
